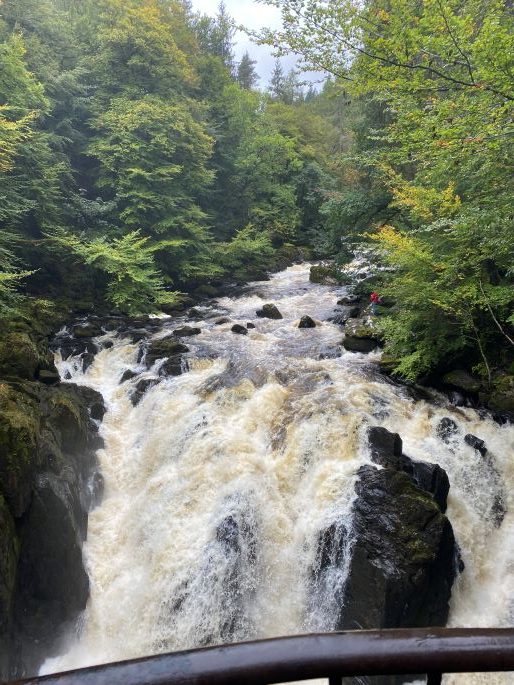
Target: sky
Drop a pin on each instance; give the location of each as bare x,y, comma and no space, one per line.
255,16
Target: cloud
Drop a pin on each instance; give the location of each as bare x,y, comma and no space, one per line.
253,15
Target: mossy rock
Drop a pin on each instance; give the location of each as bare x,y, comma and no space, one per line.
19,355
328,274
462,380
20,424
362,328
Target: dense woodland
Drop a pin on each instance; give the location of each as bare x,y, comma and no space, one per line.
139,160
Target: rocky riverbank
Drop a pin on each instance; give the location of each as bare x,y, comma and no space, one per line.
48,483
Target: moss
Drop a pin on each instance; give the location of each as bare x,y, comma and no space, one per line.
19,355
19,457
501,397
328,274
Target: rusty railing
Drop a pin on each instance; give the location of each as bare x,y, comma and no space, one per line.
429,652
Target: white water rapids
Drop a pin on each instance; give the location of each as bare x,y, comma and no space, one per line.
267,431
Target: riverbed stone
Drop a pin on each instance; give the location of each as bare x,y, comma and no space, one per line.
158,349
269,311
240,330
363,345
476,443
141,387
446,429
186,331
307,322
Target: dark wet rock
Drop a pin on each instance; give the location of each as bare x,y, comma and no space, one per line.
385,447
141,387
363,345
97,488
457,399
348,301
87,360
135,335
250,325
97,410
87,330
354,312
19,355
446,429
107,344
498,509
401,553
159,349
47,459
220,322
173,366
387,450
70,347
307,322
194,313
462,380
476,443
186,331
269,311
361,336
240,330
48,377
339,319
404,549
128,375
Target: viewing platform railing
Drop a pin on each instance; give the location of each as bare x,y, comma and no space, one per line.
427,652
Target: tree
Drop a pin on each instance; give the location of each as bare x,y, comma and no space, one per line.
247,77
277,82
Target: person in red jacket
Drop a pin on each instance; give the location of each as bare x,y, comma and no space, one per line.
375,299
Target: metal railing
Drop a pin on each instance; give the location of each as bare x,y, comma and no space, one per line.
430,652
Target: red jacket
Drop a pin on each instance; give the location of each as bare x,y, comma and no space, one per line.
375,298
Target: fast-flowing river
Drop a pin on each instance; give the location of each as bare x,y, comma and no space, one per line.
261,439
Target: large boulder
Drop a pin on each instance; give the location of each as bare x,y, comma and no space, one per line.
396,563
269,311
19,355
361,336
47,466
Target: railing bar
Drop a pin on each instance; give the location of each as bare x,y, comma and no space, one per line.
352,653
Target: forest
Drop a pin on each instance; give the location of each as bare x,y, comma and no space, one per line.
139,161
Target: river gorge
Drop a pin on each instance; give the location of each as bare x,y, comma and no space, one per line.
220,477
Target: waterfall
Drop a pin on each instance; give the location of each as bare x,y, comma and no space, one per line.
218,483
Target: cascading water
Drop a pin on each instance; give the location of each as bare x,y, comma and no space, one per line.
219,481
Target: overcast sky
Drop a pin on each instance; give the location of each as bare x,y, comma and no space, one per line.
255,16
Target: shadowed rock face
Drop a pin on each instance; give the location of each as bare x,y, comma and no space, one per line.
47,486
403,555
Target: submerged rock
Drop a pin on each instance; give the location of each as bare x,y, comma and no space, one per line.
87,330
141,387
250,325
307,322
446,429
240,330
160,349
269,311
476,443
186,331
128,375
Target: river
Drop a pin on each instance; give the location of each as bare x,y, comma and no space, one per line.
266,430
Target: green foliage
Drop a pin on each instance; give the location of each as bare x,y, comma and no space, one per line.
433,164
134,283
134,161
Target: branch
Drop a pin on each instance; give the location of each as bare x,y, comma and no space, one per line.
493,316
